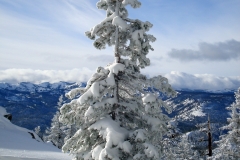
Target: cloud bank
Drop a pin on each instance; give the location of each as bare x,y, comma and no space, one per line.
222,51
181,80
178,80
40,76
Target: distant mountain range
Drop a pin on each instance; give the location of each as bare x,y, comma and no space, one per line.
34,105
193,107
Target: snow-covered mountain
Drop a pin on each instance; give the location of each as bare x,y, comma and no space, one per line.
17,143
193,107
35,104
43,87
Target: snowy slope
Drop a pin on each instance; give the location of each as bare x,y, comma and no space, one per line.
17,144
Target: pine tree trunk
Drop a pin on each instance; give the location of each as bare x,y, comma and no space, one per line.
209,139
209,144
117,60
117,56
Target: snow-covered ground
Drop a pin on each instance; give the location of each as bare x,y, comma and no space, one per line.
17,144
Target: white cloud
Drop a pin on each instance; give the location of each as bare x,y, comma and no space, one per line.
178,80
44,34
39,76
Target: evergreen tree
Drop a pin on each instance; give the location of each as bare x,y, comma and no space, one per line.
119,112
171,141
205,128
56,133
184,150
229,145
179,146
37,130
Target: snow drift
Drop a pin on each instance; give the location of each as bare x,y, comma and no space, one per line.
16,143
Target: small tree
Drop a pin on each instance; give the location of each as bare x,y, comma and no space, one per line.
180,146
56,133
172,141
229,145
119,111
37,130
206,127
184,150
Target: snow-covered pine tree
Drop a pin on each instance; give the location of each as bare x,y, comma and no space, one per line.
170,141
183,150
38,131
180,146
55,133
204,128
119,111
229,145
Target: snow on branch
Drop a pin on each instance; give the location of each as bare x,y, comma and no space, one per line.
119,112
133,3
133,31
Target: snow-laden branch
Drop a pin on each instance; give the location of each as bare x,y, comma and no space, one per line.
129,128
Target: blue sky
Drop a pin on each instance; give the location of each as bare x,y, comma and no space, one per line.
196,37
